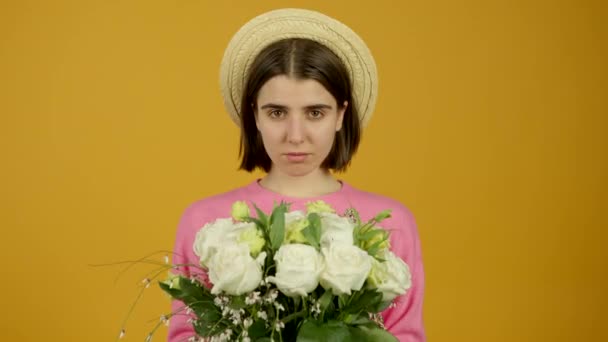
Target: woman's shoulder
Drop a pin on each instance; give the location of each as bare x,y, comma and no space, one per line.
376,202
216,205
402,224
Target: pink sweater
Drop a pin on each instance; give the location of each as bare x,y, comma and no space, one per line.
404,320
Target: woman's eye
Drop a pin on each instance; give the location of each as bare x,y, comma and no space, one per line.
315,114
276,113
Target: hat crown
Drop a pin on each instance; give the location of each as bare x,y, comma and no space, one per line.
280,24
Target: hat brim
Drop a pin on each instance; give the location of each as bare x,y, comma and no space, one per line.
276,25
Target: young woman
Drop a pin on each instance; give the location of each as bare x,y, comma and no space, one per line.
301,86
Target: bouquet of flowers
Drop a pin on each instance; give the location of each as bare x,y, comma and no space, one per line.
291,276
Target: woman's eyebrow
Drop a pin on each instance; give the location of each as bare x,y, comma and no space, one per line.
283,107
273,106
318,106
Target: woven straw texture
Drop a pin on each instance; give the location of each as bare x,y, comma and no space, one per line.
280,24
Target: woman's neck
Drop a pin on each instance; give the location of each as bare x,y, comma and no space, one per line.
311,185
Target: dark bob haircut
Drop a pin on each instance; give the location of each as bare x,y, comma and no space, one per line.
301,59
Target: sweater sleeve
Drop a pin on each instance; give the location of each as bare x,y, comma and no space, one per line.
404,320
180,330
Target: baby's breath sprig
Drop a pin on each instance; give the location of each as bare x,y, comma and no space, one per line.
145,282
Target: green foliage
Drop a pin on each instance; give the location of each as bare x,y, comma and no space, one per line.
261,215
370,333
312,232
200,300
314,331
363,300
371,238
257,330
383,215
277,226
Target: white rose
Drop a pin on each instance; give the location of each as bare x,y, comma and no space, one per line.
298,269
336,229
213,236
346,268
391,277
233,270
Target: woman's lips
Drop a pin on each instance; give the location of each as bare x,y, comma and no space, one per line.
296,156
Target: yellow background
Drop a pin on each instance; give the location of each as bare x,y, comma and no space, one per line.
491,127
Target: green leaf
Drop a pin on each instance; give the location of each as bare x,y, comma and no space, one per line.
294,315
261,217
191,289
173,292
315,227
380,306
366,333
257,222
310,237
237,302
296,301
325,299
315,331
362,318
366,302
369,234
383,215
342,300
257,329
277,226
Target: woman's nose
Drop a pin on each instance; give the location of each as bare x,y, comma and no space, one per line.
295,130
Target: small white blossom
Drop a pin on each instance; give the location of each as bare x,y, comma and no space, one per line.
164,319
122,333
253,298
279,306
146,282
218,301
263,315
247,322
271,296
279,325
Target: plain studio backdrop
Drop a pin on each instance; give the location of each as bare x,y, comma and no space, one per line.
490,126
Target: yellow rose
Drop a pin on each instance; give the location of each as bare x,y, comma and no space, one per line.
319,207
253,238
293,231
383,236
240,210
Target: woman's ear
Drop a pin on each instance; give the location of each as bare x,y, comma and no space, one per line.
341,112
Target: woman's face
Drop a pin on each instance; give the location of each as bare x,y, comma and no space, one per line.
298,120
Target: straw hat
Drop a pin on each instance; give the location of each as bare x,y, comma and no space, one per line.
280,24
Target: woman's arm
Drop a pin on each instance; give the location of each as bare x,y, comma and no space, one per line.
405,319
180,329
